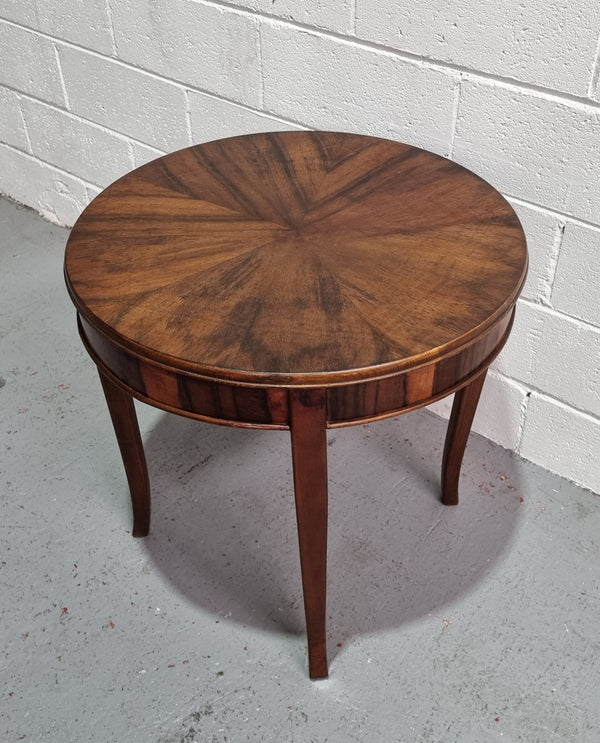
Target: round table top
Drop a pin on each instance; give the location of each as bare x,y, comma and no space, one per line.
296,257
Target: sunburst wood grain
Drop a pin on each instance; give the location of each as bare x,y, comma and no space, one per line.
373,252
297,280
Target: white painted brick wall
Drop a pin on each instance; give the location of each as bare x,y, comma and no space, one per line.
562,440
126,100
56,195
554,354
544,233
19,12
576,289
28,64
335,15
215,118
76,145
334,83
511,90
12,123
78,21
143,153
532,146
550,44
200,44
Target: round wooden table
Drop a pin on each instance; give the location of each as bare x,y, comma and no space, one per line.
301,281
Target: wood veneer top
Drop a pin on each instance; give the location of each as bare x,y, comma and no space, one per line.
296,257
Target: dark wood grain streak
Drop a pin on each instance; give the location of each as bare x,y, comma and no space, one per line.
295,280
380,398
266,406
193,396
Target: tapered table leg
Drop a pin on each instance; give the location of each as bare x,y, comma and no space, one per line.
122,413
309,455
459,427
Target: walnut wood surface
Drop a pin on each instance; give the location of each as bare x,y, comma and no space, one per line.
296,258
298,280
124,419
309,457
459,426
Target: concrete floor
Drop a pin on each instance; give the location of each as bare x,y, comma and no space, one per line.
476,623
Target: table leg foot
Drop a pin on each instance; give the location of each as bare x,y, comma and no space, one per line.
122,412
308,420
459,427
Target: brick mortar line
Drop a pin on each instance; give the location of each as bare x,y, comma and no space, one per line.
24,122
248,107
552,263
455,113
524,405
130,155
100,55
111,26
31,96
61,78
595,77
261,67
92,191
523,411
188,116
550,94
37,13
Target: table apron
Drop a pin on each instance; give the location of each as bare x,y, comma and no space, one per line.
415,388
250,406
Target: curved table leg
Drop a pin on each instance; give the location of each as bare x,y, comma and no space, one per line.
309,455
459,427
122,413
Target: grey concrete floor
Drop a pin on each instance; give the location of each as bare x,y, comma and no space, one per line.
476,623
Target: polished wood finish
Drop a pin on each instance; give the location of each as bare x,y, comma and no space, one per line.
127,430
308,426
378,255
296,280
459,426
